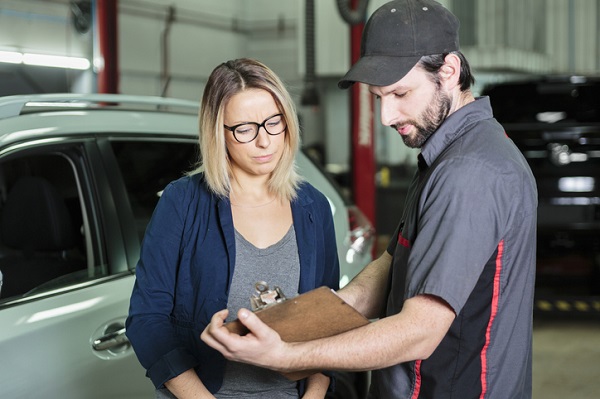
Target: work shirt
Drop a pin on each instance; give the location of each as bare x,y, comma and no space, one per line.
468,236
185,272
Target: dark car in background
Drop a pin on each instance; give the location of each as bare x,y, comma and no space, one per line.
555,122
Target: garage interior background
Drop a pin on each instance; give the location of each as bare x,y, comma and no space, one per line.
169,47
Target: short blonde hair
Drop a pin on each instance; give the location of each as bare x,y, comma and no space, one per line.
225,81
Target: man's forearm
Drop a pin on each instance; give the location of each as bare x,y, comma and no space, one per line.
412,334
357,350
367,291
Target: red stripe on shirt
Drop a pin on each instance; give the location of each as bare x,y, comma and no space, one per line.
403,241
417,389
494,311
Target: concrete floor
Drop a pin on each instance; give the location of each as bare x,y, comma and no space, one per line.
566,359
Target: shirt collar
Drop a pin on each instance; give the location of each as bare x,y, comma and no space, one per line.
454,127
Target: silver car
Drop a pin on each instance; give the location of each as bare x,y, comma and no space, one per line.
79,178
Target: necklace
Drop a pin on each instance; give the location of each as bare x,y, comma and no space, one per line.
252,206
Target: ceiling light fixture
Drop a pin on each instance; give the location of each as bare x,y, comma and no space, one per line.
11,57
54,61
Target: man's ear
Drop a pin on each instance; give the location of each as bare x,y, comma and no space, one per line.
449,73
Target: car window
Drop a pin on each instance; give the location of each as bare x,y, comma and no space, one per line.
43,242
545,101
147,167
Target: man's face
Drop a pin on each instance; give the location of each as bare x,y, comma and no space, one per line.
415,106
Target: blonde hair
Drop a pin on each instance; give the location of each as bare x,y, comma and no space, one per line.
225,81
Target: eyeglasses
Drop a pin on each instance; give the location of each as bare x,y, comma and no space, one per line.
246,132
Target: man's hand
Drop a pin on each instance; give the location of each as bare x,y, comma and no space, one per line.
262,346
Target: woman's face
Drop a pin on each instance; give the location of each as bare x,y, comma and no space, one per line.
260,156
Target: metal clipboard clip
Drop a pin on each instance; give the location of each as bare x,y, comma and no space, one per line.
265,296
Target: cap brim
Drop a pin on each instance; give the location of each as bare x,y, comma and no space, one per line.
378,70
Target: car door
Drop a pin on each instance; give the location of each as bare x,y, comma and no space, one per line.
66,277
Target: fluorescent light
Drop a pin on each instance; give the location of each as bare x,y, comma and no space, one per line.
55,61
551,117
11,57
579,184
575,201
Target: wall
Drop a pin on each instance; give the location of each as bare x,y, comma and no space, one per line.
204,33
40,27
37,25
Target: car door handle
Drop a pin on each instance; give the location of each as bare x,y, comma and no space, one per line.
110,340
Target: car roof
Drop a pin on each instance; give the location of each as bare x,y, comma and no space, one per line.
32,116
15,105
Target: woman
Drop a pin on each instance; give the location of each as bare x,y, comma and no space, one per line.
243,216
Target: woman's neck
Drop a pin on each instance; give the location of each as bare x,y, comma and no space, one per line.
251,193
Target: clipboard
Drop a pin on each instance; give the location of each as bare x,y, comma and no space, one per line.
318,313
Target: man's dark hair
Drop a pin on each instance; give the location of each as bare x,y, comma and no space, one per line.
433,63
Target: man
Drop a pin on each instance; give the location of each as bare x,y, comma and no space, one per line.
454,289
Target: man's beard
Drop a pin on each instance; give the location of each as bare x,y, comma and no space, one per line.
429,121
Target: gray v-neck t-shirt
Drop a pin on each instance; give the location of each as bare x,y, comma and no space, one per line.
278,265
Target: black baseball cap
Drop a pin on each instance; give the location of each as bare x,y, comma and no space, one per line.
395,38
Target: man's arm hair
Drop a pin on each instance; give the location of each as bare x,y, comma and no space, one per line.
367,292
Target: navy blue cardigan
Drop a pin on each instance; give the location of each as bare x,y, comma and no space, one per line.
185,270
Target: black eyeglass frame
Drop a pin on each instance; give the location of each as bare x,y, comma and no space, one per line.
258,126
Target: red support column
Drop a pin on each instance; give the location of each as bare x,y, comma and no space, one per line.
363,143
108,72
